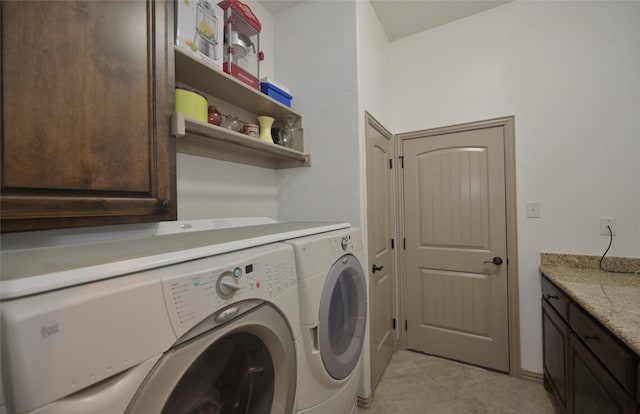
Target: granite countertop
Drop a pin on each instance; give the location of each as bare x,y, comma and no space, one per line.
612,298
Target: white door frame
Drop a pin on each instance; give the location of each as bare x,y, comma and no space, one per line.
512,236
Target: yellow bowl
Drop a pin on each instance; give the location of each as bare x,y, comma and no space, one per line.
191,104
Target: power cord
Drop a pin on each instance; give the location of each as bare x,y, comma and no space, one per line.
606,251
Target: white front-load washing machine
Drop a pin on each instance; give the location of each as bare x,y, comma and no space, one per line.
333,317
212,335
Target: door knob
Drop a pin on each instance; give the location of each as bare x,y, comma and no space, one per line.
496,260
377,268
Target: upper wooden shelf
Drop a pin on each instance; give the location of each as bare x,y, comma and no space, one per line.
209,79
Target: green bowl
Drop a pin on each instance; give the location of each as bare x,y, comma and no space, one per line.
191,104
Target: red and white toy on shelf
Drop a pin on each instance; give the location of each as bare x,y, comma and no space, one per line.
242,54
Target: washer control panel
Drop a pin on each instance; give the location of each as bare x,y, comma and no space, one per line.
195,290
227,284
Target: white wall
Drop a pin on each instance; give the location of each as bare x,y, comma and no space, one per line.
570,73
212,188
373,89
374,66
318,62
316,57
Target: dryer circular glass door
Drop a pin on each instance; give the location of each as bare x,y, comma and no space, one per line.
245,366
342,317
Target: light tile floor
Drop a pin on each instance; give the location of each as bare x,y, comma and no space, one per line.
416,383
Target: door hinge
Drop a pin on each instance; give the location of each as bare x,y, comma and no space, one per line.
394,323
401,161
406,326
390,163
392,244
404,244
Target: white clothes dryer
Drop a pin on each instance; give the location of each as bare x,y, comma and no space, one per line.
333,317
217,334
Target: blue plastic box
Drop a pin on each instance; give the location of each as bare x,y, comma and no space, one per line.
276,93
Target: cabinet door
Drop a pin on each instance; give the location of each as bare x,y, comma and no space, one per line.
86,104
555,334
595,391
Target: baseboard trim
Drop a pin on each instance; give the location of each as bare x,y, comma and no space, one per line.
365,402
531,376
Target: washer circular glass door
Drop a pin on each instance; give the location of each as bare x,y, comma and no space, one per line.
245,366
342,317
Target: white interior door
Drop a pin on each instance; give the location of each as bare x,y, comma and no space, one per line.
382,278
456,242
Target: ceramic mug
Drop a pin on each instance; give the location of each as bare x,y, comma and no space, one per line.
252,130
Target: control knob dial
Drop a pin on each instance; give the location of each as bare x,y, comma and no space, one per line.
227,285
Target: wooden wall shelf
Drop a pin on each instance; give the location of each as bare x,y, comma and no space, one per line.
211,141
202,139
209,79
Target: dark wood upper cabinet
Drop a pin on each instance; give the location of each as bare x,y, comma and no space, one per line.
87,97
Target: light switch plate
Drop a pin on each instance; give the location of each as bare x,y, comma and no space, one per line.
533,209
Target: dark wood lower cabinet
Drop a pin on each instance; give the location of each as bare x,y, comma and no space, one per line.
594,390
555,332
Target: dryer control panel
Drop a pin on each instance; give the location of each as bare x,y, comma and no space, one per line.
346,243
195,290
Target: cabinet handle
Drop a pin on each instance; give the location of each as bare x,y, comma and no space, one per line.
552,296
590,337
164,204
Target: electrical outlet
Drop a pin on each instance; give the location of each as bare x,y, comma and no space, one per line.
607,221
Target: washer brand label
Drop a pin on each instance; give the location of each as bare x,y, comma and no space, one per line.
47,331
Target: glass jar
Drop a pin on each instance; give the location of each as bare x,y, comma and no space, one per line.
289,132
231,122
215,118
